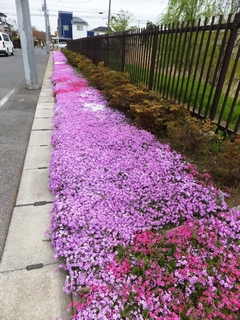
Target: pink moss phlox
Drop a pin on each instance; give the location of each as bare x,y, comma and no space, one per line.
140,236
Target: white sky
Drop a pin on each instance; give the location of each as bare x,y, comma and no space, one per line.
88,10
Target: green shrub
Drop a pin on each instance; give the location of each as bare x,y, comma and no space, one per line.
227,164
149,111
191,134
107,79
123,96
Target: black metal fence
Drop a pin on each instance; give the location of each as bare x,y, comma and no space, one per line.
194,63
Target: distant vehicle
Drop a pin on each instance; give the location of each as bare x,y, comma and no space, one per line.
62,43
59,43
6,45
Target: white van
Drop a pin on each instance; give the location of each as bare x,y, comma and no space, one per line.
59,43
6,45
62,43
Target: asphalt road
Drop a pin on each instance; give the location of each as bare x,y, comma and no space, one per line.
17,109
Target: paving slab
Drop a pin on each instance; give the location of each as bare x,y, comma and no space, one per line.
37,157
34,187
38,138
47,80
42,124
28,242
47,87
34,295
31,285
45,104
45,99
45,96
44,113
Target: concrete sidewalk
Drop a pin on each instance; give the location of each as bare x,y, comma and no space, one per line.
29,286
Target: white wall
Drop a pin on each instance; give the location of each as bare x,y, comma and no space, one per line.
99,33
76,34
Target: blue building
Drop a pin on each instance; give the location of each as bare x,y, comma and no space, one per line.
65,24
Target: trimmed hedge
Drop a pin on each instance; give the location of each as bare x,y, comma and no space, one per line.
196,138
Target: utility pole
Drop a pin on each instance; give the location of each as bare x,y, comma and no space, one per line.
109,15
49,31
25,30
46,24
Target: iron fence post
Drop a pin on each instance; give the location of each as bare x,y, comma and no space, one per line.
123,52
226,61
107,62
153,57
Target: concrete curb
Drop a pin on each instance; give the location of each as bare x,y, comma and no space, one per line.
31,284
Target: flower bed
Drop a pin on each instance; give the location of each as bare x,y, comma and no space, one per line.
140,236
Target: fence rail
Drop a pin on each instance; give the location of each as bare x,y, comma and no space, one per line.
191,63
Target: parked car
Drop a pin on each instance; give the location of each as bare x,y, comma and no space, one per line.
62,43
59,43
6,45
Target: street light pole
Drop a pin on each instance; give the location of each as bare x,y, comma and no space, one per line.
28,54
46,25
109,15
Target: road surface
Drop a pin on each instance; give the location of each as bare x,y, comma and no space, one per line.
17,108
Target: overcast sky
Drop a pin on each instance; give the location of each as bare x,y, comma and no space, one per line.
88,10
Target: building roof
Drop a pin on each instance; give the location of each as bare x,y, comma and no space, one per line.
68,12
79,20
101,29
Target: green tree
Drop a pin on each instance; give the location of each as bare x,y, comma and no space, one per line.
185,10
38,36
228,6
121,22
150,26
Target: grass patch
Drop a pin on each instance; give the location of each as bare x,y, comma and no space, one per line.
194,94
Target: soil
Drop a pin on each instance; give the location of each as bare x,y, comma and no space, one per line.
234,199
234,191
